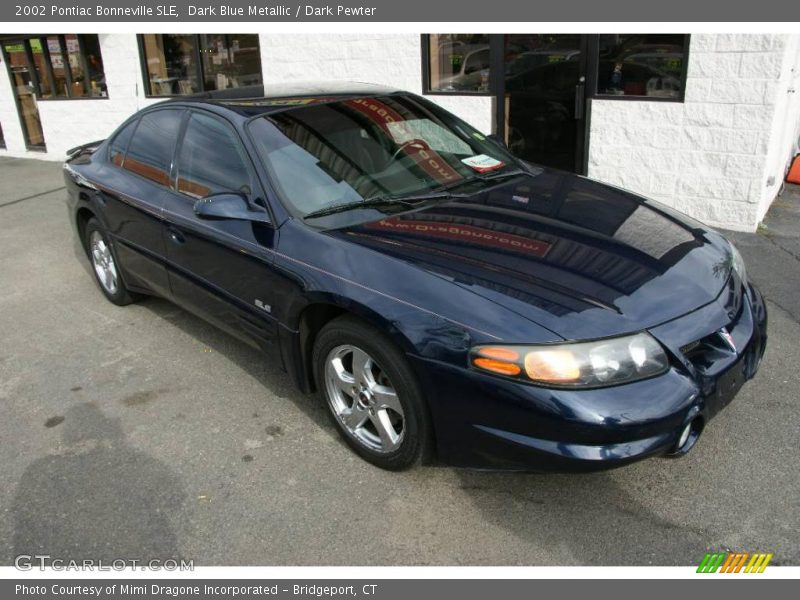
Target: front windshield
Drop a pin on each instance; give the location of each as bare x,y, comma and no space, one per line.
324,155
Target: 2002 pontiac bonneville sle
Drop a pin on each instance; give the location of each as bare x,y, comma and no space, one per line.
442,296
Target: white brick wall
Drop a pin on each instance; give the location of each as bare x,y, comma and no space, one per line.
711,156
784,136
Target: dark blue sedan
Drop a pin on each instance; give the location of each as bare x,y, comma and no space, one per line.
443,297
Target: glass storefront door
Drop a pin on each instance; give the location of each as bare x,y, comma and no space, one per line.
21,69
544,95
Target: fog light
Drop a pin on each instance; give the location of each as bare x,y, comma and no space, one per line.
684,436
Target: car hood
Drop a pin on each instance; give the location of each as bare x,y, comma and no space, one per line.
578,257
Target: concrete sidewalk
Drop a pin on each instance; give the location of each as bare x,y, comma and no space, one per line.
142,432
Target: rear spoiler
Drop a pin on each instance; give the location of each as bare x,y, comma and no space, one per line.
85,148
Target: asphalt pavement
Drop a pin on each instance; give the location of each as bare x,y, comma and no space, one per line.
143,432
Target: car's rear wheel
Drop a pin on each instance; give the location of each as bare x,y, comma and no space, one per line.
104,265
372,394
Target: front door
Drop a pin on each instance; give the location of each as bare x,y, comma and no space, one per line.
220,269
24,78
545,95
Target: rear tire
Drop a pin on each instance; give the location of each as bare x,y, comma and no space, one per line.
372,395
104,264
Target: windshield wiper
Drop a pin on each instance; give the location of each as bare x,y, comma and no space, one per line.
443,193
408,201
366,203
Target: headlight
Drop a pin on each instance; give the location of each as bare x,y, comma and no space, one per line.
737,263
583,364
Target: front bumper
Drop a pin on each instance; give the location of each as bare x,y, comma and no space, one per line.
488,422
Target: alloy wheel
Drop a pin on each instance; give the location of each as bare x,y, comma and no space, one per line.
363,399
103,263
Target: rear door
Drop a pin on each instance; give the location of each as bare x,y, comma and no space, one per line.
134,190
220,269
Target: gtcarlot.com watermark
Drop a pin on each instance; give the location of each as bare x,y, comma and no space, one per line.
29,562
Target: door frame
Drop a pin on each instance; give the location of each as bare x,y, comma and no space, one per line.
34,75
590,44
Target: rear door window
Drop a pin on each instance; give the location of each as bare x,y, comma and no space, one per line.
152,145
120,143
211,159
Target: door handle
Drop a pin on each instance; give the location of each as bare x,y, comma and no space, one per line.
579,99
175,236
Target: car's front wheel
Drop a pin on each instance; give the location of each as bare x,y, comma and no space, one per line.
372,394
104,265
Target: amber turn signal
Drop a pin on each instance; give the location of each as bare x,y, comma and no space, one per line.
497,366
497,359
499,353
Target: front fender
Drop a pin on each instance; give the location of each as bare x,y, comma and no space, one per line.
414,332
422,313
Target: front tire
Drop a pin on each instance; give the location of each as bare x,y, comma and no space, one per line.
372,395
104,264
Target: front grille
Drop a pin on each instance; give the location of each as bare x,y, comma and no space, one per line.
688,349
707,351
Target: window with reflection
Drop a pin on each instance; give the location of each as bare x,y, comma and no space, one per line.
66,66
86,53
119,145
458,63
171,63
40,64
149,152
230,60
24,87
211,159
178,64
52,47
642,65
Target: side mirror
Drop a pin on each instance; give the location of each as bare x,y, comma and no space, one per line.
228,205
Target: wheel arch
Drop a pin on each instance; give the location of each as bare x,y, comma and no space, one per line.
82,217
307,321
320,311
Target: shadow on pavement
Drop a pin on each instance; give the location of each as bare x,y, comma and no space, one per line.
264,369
96,498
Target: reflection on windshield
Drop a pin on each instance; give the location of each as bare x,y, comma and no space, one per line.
325,155
420,145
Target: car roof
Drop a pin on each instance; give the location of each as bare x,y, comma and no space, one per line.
258,99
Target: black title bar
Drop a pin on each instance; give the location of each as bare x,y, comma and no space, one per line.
459,11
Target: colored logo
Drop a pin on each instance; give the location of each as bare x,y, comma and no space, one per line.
734,562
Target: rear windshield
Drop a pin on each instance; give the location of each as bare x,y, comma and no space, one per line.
323,155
